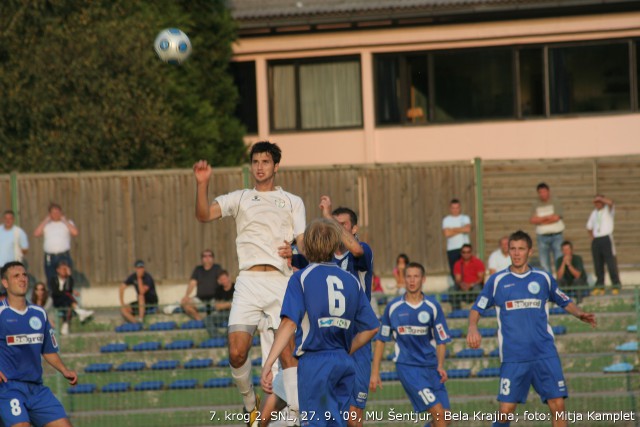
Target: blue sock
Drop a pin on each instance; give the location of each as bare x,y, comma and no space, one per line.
427,424
497,424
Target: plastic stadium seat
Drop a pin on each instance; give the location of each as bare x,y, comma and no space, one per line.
469,353
389,376
116,347
217,382
459,373
495,352
559,330
459,314
390,356
256,380
632,328
179,345
628,346
149,385
147,346
82,389
131,366
444,298
193,324
455,333
129,327
163,326
488,332
224,363
98,367
198,363
217,342
165,364
557,311
619,368
257,361
489,313
116,387
489,372
256,340
183,384
382,300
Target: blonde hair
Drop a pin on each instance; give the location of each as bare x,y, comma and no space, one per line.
321,240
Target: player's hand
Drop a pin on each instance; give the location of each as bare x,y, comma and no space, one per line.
474,338
325,206
266,379
443,375
375,382
285,250
202,171
3,378
589,318
71,376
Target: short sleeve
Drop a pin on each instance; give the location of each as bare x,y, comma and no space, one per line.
485,299
457,267
230,203
441,334
130,280
194,274
384,334
465,220
556,295
299,217
293,304
365,262
24,241
50,344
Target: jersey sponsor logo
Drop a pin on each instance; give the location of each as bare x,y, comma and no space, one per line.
53,338
279,203
441,332
509,285
562,295
412,330
482,302
385,331
534,287
518,304
423,317
25,339
338,322
35,323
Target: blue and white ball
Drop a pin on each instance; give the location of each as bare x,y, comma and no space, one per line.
172,46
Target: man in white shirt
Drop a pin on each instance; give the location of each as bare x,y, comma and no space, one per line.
13,240
500,259
57,231
600,226
456,228
267,219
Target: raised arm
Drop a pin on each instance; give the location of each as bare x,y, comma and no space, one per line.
349,242
204,211
40,228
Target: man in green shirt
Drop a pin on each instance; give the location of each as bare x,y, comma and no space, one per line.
571,275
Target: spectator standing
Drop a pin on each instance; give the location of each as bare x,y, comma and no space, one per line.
64,297
145,288
204,280
500,259
456,228
546,215
571,273
468,274
398,272
13,240
600,226
57,231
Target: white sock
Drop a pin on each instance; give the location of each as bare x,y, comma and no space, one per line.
290,377
242,378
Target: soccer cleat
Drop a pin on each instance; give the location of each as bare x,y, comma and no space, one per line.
254,414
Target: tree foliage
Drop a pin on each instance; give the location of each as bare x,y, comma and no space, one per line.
82,88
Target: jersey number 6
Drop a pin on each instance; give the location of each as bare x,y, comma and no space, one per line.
336,299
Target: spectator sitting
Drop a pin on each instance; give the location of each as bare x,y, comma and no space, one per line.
500,259
145,288
398,272
571,273
205,280
40,297
468,273
224,292
64,297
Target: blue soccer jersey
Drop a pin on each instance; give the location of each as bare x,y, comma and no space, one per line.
24,337
414,328
361,267
524,333
328,306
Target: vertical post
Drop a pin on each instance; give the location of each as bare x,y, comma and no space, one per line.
477,165
15,203
245,176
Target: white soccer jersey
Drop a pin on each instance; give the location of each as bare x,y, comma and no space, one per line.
264,219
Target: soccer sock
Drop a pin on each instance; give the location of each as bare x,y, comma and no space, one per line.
242,378
290,377
497,424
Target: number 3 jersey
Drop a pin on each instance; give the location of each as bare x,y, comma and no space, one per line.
329,308
415,328
24,337
524,333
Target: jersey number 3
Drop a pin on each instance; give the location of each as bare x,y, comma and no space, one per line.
336,299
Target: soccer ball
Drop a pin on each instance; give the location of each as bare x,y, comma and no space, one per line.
172,46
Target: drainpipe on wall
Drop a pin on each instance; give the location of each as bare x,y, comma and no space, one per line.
477,166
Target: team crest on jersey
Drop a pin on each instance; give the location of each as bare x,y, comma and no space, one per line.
423,317
255,199
35,323
280,203
534,287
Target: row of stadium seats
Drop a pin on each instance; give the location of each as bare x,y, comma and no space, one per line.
217,342
168,326
162,365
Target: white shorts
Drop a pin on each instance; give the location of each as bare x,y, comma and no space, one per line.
257,294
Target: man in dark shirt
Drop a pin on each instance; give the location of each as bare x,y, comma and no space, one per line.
571,274
224,293
205,280
145,288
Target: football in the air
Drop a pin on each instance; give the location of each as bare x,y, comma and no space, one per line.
172,46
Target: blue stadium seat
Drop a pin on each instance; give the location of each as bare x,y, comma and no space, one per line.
98,367
559,330
256,340
469,353
489,372
198,363
495,352
459,373
459,314
488,332
129,327
445,298
165,365
617,368
82,389
163,326
217,382
455,333
389,376
149,385
390,356
628,346
147,346
193,324
116,347
223,363
557,311
217,342
179,345
131,366
183,384
489,313
116,387
257,361
382,300
632,328
256,380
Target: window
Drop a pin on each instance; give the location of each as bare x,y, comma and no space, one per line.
316,94
589,78
531,82
244,76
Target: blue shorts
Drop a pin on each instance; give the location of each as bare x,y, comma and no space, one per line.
22,402
545,375
325,380
423,386
362,361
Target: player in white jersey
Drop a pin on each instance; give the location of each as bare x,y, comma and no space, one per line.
528,354
267,220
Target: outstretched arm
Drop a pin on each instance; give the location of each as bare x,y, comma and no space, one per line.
589,318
